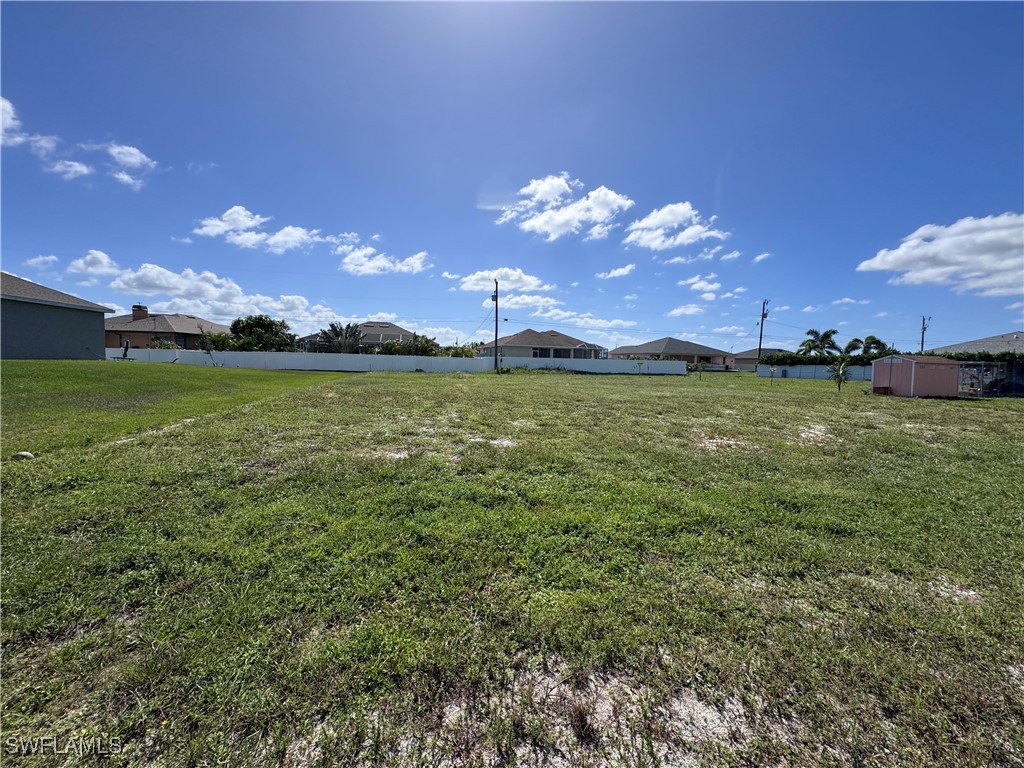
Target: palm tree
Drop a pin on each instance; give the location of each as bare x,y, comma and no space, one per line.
873,345
853,345
819,342
839,372
341,338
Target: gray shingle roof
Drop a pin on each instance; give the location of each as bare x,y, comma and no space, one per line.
764,351
1004,342
668,346
19,289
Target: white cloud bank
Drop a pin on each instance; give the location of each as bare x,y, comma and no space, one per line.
547,208
509,279
982,256
366,260
95,264
686,309
674,225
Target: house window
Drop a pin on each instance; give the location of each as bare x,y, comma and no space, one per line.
560,353
541,352
180,340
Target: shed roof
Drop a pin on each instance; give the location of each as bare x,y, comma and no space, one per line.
19,289
933,359
668,346
1004,342
551,339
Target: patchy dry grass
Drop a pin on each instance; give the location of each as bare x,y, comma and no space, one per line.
433,570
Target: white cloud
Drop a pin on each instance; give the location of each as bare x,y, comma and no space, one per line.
783,308
185,240
234,219
701,283
760,257
739,330
130,157
617,272
290,237
881,314
674,225
41,262
240,227
706,255
509,279
69,169
741,289
450,276
709,296
127,179
630,297
982,256
848,300
585,320
518,301
546,208
368,261
731,256
1015,305
10,125
94,263
810,308
686,309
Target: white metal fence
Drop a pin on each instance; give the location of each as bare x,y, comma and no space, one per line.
857,372
311,361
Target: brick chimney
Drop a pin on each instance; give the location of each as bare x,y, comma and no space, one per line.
140,312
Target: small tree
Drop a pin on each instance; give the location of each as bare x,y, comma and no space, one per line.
216,342
261,333
839,371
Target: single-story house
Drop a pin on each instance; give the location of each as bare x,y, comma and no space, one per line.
915,376
40,323
747,359
1004,342
545,344
374,333
140,328
671,349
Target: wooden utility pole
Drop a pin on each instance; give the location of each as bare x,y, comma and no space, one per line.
924,327
760,335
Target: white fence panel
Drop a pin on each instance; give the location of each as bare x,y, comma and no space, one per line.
857,372
312,361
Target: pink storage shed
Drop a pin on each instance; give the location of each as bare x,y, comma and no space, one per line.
915,376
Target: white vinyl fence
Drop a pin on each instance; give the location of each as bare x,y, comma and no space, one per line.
857,372
313,361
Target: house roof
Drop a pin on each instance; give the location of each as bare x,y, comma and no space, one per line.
1004,342
550,339
377,330
764,351
933,359
668,346
19,289
176,324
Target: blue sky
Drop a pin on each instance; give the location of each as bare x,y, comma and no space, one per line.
627,171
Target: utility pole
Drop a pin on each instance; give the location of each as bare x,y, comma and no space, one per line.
760,335
494,298
924,327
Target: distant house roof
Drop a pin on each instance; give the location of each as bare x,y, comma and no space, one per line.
176,324
376,331
550,339
1004,342
19,289
764,351
668,346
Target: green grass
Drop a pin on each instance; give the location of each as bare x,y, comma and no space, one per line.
403,569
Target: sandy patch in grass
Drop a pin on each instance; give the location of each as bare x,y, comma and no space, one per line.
159,431
715,443
815,434
943,587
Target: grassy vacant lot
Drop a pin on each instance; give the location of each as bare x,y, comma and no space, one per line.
427,569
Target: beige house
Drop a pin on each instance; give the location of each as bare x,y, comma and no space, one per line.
543,344
374,333
140,328
747,359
